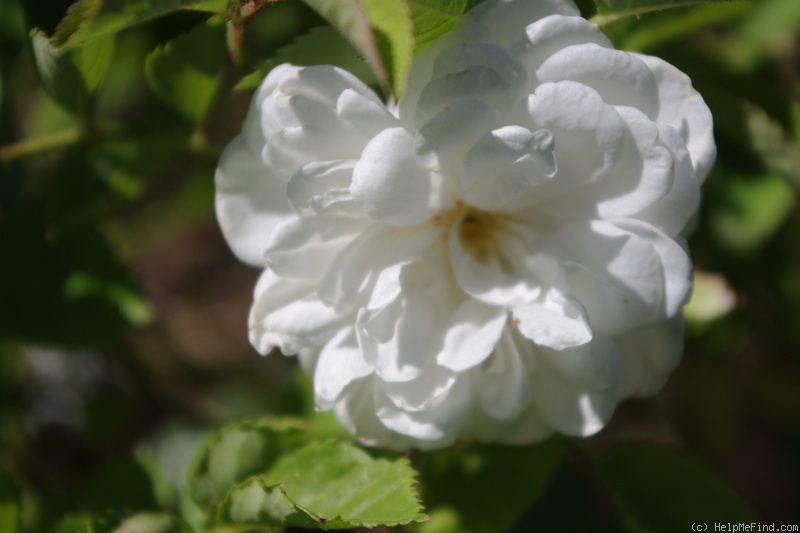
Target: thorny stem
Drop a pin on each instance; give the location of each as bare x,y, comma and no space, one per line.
238,16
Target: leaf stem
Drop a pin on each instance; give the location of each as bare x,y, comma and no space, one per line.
29,147
605,19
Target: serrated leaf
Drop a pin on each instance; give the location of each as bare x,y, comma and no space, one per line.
9,504
320,46
380,30
93,59
434,18
485,488
60,77
329,485
661,489
186,71
231,455
91,19
612,10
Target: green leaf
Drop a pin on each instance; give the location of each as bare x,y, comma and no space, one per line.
661,489
381,31
9,504
485,488
320,46
60,77
91,19
434,18
185,72
613,10
93,59
231,455
329,485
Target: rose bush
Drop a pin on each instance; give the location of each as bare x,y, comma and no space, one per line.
496,257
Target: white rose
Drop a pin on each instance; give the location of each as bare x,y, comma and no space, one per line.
498,257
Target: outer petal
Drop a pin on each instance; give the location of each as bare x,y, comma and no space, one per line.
250,201
684,109
619,77
560,322
287,314
340,363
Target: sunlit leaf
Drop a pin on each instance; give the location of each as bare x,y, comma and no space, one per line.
328,485
611,10
93,59
186,72
663,490
434,18
380,30
231,455
485,489
320,46
9,504
91,19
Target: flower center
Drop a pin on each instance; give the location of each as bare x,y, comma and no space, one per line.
477,229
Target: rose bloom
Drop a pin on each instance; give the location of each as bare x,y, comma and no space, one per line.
496,257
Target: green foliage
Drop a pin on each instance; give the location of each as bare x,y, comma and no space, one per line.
9,504
320,46
90,19
326,485
68,278
485,489
751,211
663,490
381,31
185,72
229,456
434,18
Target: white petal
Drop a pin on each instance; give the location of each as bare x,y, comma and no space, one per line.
506,164
619,77
672,211
423,393
489,280
649,354
389,182
568,407
547,36
559,322
581,123
507,19
684,109
622,259
503,389
443,141
340,363
323,188
303,247
472,334
250,201
675,262
287,314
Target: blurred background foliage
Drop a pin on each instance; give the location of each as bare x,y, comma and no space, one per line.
123,313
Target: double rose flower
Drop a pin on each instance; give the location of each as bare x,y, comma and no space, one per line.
496,257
